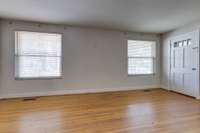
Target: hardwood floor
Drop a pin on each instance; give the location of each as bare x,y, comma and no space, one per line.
157,111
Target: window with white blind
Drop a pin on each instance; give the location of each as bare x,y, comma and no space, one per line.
141,57
37,55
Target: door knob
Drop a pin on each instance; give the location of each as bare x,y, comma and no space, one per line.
195,48
194,69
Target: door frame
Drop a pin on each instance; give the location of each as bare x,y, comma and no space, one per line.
196,36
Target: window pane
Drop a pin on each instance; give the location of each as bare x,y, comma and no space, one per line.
189,42
141,48
141,56
30,43
29,66
140,66
37,54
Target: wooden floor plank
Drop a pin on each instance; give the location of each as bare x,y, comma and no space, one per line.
155,111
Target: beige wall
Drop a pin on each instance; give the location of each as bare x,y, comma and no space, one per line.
94,60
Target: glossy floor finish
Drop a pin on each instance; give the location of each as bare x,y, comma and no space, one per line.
157,111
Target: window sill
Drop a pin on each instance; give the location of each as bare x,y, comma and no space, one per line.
134,75
39,78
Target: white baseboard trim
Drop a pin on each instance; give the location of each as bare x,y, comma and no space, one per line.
73,91
165,87
168,89
198,98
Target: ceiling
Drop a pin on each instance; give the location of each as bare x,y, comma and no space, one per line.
154,16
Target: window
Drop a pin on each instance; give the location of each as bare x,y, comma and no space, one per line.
37,55
183,43
141,57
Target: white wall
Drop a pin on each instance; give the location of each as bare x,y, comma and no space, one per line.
94,60
165,49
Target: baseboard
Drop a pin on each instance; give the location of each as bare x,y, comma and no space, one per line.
198,97
168,89
74,91
165,87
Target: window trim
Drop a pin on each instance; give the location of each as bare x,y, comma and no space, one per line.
16,77
154,59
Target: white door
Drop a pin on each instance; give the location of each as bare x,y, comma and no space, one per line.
184,64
